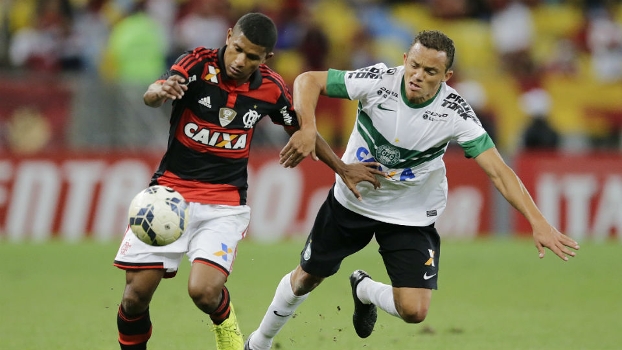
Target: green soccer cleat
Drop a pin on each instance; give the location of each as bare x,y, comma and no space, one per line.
228,334
365,315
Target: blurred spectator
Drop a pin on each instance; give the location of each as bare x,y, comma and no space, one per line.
136,57
363,53
539,134
165,13
565,59
604,41
202,23
50,43
314,47
391,35
136,51
512,30
92,30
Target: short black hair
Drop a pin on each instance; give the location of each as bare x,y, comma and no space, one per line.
434,39
259,29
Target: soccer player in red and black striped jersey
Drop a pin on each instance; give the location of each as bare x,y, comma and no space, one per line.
218,96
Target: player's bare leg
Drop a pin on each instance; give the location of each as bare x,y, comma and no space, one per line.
133,320
206,287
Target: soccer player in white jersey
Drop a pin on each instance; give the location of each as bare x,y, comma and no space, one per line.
407,115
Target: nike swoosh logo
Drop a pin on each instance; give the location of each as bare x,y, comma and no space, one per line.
384,108
278,314
425,277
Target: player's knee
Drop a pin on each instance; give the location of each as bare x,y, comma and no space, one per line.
134,303
205,298
413,314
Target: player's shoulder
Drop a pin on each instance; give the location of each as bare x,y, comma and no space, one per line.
374,71
375,74
451,102
270,76
197,57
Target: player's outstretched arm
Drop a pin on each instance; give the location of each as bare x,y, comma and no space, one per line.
307,89
351,174
512,188
172,88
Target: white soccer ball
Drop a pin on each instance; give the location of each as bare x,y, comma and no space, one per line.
157,215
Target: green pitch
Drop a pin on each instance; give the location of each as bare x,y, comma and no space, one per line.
493,294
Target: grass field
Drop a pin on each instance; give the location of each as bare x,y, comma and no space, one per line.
493,294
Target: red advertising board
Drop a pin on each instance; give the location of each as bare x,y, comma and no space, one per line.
579,194
73,195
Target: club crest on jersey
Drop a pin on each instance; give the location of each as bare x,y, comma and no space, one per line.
388,155
250,118
226,115
212,74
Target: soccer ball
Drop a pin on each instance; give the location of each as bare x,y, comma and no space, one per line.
157,215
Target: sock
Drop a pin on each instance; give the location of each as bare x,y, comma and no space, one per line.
279,312
134,332
379,294
223,310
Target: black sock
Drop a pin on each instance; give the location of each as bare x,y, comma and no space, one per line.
134,332
223,310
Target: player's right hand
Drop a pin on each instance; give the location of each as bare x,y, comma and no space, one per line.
173,88
354,173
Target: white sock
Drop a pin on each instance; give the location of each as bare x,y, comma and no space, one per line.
279,312
379,294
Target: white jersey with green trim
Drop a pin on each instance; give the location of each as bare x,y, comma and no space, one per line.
409,140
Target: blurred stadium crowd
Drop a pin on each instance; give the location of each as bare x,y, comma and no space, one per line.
539,73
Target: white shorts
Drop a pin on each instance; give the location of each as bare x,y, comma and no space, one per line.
211,237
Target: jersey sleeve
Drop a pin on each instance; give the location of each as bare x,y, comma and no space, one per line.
354,85
475,147
468,130
284,113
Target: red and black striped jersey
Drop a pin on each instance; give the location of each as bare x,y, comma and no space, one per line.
212,127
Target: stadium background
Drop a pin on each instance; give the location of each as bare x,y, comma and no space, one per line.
76,142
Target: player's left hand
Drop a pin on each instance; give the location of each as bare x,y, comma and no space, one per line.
548,236
360,172
299,146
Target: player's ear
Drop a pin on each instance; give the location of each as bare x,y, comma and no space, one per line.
229,35
448,75
269,55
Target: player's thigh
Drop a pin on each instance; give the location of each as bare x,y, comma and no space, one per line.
337,233
217,230
411,255
140,285
205,280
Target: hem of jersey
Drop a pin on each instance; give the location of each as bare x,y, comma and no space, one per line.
346,203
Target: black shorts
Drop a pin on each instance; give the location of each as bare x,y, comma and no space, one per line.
410,253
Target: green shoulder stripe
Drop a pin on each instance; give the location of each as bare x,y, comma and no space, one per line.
475,147
336,84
